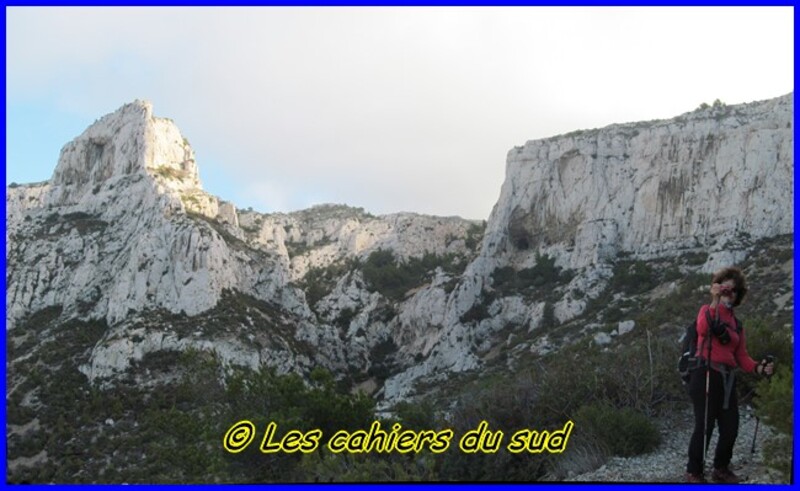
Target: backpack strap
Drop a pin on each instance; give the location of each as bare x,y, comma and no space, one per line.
708,317
707,338
728,376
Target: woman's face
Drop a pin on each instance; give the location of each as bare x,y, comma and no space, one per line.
728,290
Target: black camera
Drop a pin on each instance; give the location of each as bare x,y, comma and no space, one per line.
726,290
720,330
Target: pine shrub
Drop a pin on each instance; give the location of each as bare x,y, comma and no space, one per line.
775,405
625,431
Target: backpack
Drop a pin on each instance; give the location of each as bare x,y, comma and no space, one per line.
688,361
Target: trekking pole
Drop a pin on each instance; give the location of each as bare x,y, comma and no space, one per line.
769,359
706,435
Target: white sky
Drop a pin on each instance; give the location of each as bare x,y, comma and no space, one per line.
390,109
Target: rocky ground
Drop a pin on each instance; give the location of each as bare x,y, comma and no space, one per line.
668,463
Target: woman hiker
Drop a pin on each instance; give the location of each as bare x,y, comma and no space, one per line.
716,323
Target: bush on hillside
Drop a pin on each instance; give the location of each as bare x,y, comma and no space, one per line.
775,405
624,431
775,401
762,338
633,277
392,278
537,281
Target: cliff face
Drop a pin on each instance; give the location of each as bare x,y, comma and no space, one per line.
713,180
124,232
109,233
649,188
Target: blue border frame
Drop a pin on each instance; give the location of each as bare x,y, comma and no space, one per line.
388,3
4,446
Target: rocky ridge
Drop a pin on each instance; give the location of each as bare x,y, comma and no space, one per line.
122,270
711,182
124,232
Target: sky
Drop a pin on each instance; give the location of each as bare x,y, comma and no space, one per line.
388,109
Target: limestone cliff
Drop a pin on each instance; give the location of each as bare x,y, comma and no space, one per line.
649,188
714,180
110,232
124,232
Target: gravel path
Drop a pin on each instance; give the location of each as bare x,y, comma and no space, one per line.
667,464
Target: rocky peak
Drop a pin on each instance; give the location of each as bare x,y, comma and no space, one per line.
124,232
127,144
113,231
121,262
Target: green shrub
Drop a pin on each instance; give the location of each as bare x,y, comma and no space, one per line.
170,432
695,258
383,274
775,399
633,277
775,405
346,315
323,466
639,375
319,282
775,396
393,279
479,310
625,431
504,277
168,172
475,234
417,416
507,405
762,338
548,316
778,454
538,281
545,272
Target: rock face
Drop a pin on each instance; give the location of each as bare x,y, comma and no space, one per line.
124,232
713,180
649,188
109,233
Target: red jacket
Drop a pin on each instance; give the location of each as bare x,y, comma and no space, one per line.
732,354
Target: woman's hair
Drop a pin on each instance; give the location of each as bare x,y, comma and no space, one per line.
740,282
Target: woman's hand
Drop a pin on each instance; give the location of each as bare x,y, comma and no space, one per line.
767,367
722,290
715,293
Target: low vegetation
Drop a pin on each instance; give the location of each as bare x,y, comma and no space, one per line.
172,432
393,278
320,282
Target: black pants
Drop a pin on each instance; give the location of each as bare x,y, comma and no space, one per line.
727,419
